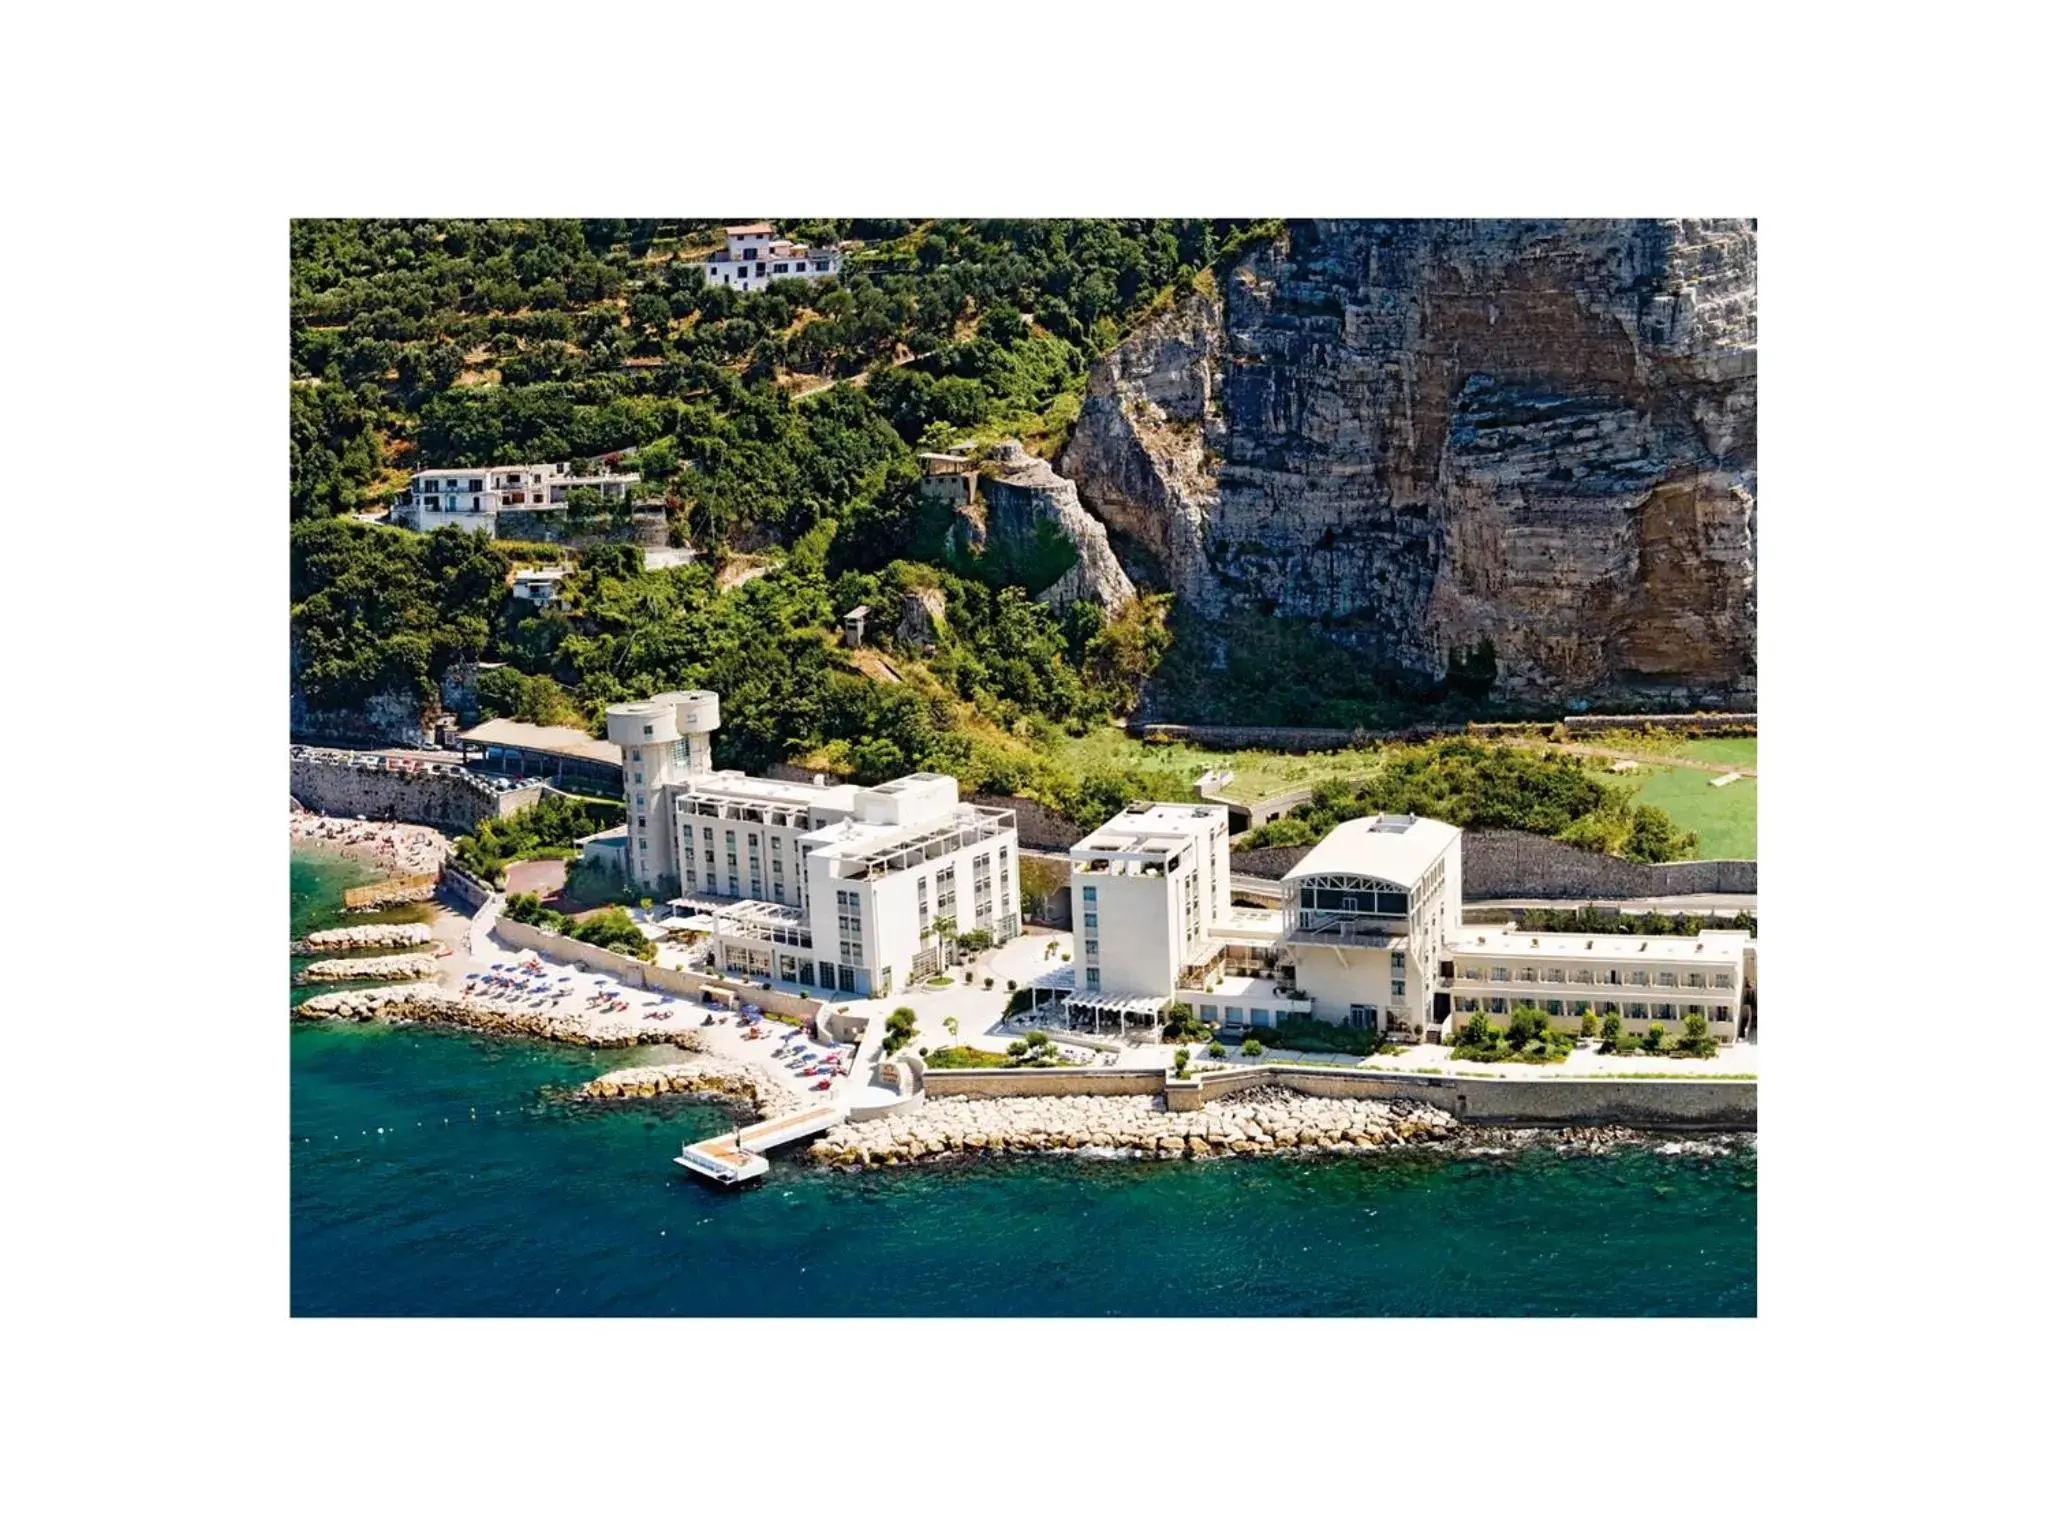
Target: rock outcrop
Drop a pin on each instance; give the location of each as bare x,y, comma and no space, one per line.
924,619
1025,504
1428,436
699,1077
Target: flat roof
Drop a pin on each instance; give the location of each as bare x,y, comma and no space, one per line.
1722,946
1154,827
1383,847
562,740
750,229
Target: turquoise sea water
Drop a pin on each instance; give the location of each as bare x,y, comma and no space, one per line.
432,1175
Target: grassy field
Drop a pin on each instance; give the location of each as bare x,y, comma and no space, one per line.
1724,818
1258,774
1735,751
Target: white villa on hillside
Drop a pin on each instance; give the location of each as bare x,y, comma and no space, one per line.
1371,935
470,499
753,258
841,888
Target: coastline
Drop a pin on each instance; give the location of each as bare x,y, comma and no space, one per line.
400,847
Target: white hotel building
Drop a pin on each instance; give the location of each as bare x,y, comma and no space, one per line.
1370,935
839,888
753,258
470,499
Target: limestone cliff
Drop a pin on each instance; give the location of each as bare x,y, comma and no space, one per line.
1427,435
1028,513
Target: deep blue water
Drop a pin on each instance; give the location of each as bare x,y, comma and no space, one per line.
432,1175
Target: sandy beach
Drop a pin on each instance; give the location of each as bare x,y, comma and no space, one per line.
399,846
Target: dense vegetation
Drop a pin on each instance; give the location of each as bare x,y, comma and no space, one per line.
778,429
1473,784
547,829
609,928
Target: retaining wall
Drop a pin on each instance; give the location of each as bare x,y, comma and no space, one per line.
1648,1104
1039,1082
1500,863
459,888
639,973
1313,738
450,799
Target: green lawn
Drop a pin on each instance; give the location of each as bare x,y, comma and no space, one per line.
1258,774
1725,818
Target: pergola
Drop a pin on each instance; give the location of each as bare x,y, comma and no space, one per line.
1119,1012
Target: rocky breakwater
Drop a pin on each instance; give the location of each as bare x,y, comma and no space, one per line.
701,1077
368,968
1259,1122
365,936
1430,436
426,1003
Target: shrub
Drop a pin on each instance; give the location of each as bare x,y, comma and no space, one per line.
1655,1039
1036,1038
1017,1048
1254,1048
1216,1051
898,1030
1475,1031
522,906
611,929
1699,1040
1610,1027
1180,1062
1526,1024
1589,1024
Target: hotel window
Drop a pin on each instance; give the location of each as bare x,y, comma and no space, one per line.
1470,973
1091,949
1398,987
1724,980
1525,973
1639,978
1555,975
1667,978
1088,895
1720,1013
1553,1007
1498,973
1094,979
1665,1011
1208,1013
1261,1016
1088,920
1638,1010
1496,1005
1582,978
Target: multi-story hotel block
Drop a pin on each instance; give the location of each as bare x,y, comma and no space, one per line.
1370,934
753,258
840,888
470,499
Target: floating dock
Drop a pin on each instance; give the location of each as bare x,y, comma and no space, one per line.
735,1158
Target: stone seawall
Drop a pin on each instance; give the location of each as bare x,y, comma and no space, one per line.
451,800
1259,1121
1675,1103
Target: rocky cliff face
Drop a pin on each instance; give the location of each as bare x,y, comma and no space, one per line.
1428,435
1023,504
